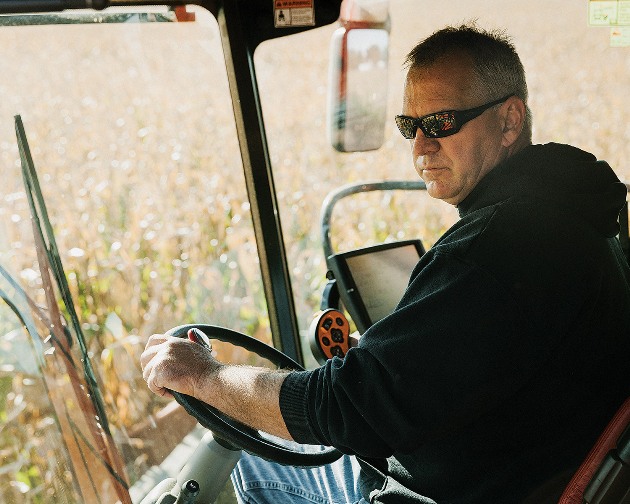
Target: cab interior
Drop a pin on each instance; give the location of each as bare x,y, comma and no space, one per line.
170,164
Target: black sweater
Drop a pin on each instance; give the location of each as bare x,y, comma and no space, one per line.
507,355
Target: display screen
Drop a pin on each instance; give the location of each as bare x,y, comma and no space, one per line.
381,277
372,280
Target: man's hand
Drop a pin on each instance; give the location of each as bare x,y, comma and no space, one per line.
170,363
247,394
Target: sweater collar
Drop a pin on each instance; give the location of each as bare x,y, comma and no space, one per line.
497,185
558,176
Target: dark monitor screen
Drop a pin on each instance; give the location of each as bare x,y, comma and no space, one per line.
372,280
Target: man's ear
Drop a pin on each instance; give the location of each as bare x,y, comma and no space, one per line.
513,116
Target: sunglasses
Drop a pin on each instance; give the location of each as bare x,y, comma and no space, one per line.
441,124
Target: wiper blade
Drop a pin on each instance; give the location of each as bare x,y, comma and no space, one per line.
54,280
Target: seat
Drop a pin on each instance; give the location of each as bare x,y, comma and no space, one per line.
604,476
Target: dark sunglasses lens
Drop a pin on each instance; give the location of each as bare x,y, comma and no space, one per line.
407,126
439,125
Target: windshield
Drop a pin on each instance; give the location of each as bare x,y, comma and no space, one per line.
133,142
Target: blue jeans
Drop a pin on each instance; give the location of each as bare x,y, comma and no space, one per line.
257,481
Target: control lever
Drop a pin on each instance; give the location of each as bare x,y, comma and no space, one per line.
188,493
197,336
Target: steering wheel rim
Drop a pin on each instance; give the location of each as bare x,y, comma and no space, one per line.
233,432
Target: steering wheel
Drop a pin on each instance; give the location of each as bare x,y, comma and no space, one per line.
238,435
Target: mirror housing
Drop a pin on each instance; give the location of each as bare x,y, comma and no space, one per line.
358,76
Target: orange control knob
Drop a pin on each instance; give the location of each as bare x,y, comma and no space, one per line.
329,335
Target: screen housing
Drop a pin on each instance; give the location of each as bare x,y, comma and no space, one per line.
372,280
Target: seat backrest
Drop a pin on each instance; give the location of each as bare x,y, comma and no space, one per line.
604,476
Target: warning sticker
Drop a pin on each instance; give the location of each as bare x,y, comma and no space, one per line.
288,13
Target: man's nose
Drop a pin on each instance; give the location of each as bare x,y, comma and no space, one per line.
423,145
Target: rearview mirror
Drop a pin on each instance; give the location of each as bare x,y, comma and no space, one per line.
358,75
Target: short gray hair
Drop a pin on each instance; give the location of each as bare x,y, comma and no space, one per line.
495,61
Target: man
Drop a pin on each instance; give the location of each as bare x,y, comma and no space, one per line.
509,351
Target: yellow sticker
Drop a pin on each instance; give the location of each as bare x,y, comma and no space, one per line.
620,36
609,12
623,13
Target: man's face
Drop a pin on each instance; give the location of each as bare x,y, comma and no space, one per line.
452,166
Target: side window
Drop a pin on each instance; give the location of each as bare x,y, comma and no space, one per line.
132,134
577,85
307,168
